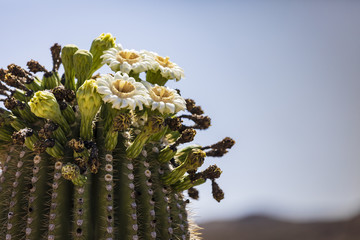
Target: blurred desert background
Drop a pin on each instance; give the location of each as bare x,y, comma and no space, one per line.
266,228
280,77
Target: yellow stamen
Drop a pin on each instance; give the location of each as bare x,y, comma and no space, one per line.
122,88
128,56
161,93
164,62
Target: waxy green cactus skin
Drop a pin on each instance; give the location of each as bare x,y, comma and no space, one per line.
75,168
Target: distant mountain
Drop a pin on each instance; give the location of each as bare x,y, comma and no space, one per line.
265,228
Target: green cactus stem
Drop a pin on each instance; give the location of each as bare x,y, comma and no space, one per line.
15,213
34,84
67,55
145,203
37,199
82,60
6,179
104,159
161,195
50,80
125,195
59,221
67,112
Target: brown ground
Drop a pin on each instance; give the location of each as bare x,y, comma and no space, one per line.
263,228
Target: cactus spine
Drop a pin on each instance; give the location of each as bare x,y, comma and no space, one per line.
99,157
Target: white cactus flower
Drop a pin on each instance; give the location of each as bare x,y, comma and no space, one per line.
125,60
122,91
168,69
164,99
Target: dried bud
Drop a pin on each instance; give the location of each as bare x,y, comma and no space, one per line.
192,108
39,147
216,152
212,172
13,81
3,72
10,103
94,159
20,136
55,53
226,143
187,135
35,66
217,192
59,93
193,193
77,145
173,123
17,71
43,134
201,122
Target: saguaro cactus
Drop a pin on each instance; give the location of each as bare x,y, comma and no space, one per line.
99,156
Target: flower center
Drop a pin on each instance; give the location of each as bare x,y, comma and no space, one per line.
128,56
164,61
122,88
161,93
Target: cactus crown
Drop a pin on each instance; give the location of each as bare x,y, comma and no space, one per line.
87,156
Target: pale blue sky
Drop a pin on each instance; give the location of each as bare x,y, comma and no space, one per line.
280,77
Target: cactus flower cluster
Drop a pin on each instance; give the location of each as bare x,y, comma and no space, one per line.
100,156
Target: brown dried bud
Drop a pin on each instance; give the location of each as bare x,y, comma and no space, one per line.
51,126
173,123
39,147
35,66
187,135
217,192
59,92
19,136
216,153
13,81
43,134
94,159
190,104
226,143
81,162
10,103
77,145
18,71
193,193
62,105
55,53
192,108
50,142
212,172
